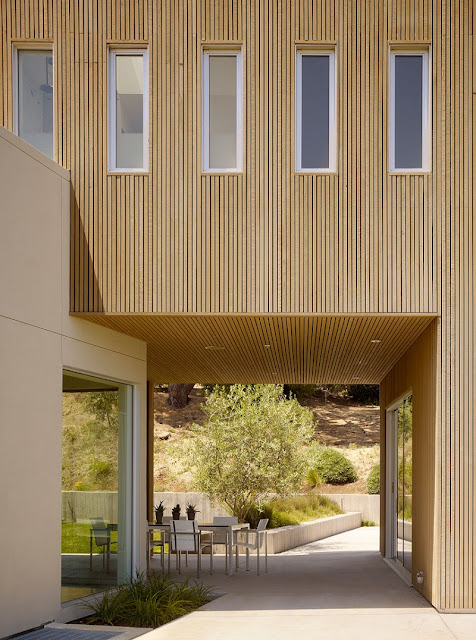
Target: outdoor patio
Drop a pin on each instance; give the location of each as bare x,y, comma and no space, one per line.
336,588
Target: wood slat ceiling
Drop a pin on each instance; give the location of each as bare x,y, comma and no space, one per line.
334,349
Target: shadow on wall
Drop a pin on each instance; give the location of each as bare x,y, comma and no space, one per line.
85,293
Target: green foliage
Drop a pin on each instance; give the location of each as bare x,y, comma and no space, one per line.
101,470
333,466
282,512
365,393
368,523
405,511
90,441
104,405
148,602
251,444
405,475
313,478
373,480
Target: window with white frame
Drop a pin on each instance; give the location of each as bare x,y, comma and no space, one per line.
315,142
221,110
409,110
33,96
128,110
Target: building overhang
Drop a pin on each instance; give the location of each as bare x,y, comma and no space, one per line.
270,348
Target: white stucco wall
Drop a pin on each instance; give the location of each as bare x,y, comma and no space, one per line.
38,338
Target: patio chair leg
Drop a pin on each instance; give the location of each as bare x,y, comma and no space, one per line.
266,551
199,560
237,556
211,559
247,551
90,552
186,558
257,554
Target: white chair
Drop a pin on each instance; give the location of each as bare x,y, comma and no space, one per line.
260,534
101,533
186,537
154,543
220,536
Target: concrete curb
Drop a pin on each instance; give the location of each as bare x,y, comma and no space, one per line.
286,538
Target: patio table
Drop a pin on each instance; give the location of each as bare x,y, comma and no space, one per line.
230,528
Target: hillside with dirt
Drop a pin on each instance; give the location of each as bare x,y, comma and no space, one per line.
340,422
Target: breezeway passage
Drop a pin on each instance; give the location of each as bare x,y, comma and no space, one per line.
335,588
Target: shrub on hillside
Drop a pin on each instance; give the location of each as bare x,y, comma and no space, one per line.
333,467
373,480
313,478
365,393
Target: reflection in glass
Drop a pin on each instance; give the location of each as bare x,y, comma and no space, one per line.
35,99
129,111
97,485
222,106
315,112
408,111
404,484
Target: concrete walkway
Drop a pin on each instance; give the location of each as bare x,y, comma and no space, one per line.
336,588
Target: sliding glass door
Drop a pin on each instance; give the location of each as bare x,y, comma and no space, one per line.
96,527
399,485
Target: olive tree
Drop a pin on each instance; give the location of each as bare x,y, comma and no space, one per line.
252,443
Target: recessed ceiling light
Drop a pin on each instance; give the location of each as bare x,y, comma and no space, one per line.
214,347
355,378
267,346
375,341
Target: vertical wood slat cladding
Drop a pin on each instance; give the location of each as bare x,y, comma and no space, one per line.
270,240
267,239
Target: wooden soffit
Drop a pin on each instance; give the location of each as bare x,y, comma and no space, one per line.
333,349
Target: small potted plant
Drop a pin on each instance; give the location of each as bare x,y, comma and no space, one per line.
159,512
191,511
176,512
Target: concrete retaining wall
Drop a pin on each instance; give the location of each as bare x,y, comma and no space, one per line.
83,505
206,509
404,533
368,505
286,538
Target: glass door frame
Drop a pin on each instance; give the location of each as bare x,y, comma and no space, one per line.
134,412
391,484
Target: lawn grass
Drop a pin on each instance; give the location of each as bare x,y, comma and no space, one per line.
75,538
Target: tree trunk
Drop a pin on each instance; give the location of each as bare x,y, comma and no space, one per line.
178,395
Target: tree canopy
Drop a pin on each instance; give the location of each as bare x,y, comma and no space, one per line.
252,443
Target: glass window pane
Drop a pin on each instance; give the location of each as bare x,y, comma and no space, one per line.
408,111
315,112
129,112
222,118
96,544
35,99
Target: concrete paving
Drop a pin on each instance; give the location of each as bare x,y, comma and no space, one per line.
335,588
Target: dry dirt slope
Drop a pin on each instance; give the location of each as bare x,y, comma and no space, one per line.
340,422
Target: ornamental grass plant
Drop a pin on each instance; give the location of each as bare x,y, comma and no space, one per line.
148,601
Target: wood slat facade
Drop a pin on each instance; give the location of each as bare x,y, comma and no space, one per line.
267,240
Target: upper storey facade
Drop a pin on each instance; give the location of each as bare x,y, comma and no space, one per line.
234,156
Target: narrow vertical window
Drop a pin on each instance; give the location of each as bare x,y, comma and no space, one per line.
128,114
33,96
221,113
409,111
315,111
